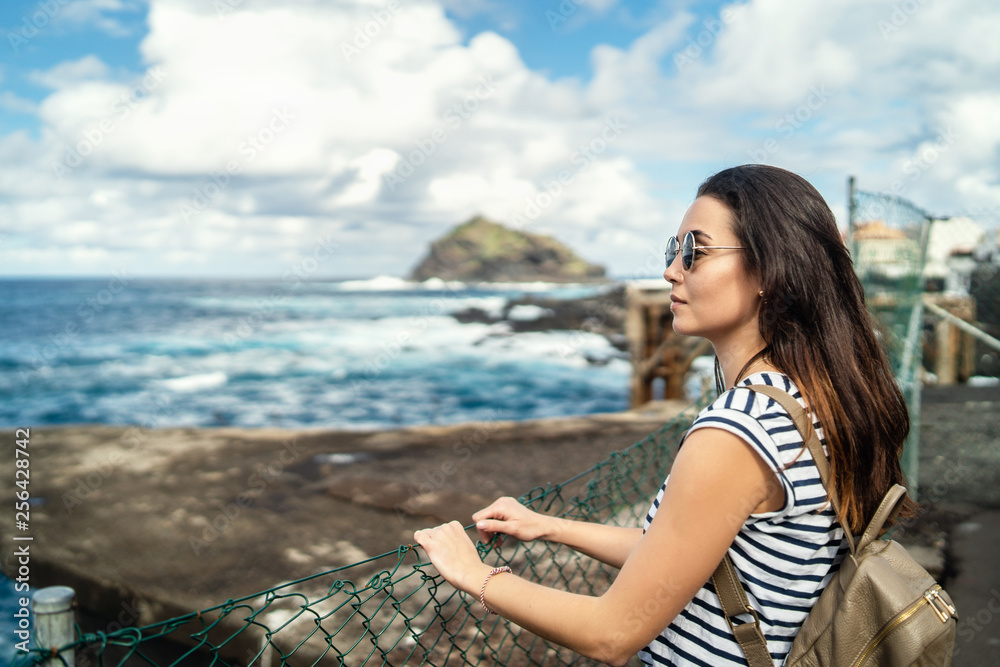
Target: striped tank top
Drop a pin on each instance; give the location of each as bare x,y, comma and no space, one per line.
784,559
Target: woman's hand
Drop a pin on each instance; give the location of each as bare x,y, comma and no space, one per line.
506,516
454,555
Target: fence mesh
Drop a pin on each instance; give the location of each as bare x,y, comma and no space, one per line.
394,609
888,240
907,257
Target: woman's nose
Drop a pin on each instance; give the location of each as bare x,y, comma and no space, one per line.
672,273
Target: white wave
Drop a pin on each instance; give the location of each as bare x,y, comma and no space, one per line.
536,286
395,283
378,283
570,348
338,347
527,312
491,305
432,334
195,382
339,339
439,284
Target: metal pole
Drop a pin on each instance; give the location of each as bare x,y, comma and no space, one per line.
850,207
54,623
963,325
909,380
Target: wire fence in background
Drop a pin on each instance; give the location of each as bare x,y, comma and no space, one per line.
888,240
907,258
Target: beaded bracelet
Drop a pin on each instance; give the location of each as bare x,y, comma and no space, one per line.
482,593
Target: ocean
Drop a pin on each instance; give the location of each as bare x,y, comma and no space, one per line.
361,354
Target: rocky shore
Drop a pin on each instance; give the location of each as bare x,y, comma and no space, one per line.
603,314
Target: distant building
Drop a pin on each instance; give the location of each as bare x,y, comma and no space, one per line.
885,252
950,249
955,247
988,252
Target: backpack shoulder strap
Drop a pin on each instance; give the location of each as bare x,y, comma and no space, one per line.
734,602
887,510
808,433
732,597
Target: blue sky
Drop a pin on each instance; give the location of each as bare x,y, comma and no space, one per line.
235,137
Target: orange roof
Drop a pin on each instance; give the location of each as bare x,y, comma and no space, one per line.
876,229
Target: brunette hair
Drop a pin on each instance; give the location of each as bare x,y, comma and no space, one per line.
817,329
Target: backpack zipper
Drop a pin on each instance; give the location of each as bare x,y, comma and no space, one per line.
931,597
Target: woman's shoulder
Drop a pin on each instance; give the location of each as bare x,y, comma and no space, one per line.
742,399
769,429
759,420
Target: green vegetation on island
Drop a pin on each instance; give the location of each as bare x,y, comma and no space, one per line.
483,251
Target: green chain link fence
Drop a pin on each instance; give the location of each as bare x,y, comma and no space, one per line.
888,240
910,262
394,609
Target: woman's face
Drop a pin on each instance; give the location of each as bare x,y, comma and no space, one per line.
715,298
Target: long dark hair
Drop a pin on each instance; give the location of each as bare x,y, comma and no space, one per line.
817,329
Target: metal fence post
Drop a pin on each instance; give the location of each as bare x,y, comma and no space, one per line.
851,220
54,622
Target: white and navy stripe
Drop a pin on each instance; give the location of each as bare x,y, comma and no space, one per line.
784,559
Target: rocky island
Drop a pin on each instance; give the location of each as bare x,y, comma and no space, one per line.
480,250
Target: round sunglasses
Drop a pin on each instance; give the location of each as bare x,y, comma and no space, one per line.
688,249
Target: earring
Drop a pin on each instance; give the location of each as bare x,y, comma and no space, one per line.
761,294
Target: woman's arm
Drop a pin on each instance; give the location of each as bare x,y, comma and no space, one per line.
715,483
609,544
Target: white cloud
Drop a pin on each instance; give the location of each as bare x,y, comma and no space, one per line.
255,132
814,85
767,53
71,73
623,76
11,102
96,14
974,115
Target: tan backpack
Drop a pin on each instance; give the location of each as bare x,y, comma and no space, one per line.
880,608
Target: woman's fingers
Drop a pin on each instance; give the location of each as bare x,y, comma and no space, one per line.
499,508
438,534
452,552
489,529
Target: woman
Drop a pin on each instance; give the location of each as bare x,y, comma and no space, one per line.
758,268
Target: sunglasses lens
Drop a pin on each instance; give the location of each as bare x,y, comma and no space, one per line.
687,251
671,253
